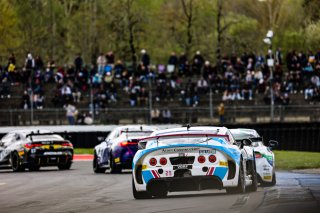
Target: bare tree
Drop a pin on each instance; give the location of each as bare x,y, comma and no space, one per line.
188,8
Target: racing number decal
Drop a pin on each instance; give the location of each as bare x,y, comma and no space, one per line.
169,173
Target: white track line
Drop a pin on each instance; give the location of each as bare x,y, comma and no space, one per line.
1,184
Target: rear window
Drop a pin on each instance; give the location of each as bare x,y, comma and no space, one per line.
46,137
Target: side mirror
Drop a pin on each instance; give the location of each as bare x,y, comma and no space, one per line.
273,144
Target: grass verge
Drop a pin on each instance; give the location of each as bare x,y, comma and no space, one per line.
289,160
286,160
83,151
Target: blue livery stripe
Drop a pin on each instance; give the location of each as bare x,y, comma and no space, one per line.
220,172
147,175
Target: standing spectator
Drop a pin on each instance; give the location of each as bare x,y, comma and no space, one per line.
78,63
198,62
172,62
145,58
38,63
101,62
29,66
71,113
221,112
110,58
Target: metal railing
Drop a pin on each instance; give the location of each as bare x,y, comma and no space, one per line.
182,115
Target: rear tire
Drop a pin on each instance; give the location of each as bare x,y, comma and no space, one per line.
65,166
253,172
96,167
241,187
113,167
139,195
16,163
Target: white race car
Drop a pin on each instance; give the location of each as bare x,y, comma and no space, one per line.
265,159
192,159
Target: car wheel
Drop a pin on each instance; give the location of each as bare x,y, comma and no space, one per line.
113,167
34,168
241,187
139,195
16,163
65,166
253,173
96,167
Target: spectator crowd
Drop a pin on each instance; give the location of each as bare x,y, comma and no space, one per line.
181,79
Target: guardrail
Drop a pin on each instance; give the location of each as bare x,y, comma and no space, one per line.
182,115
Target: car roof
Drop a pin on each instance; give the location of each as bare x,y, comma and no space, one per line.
28,131
137,128
251,132
195,130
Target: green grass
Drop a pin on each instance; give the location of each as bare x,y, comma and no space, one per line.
289,160
83,150
286,160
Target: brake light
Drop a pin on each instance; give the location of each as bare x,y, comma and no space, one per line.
126,143
212,158
163,161
258,155
201,159
153,161
32,145
66,143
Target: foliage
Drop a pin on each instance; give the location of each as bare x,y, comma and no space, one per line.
59,29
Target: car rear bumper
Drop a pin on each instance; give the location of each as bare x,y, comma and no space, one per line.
49,160
175,184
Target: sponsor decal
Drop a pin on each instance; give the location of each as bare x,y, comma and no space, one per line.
21,153
267,177
181,150
144,167
117,160
52,153
223,163
207,151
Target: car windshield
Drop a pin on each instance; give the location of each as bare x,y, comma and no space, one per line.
243,135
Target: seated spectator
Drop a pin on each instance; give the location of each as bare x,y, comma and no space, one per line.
133,97
143,97
25,104
155,115
202,86
166,116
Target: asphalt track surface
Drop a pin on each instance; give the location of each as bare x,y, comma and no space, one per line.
80,190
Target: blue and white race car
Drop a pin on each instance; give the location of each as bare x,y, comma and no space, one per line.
265,159
117,150
192,159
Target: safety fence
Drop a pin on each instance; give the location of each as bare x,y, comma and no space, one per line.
181,115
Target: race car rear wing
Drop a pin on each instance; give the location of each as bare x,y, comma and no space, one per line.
143,141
